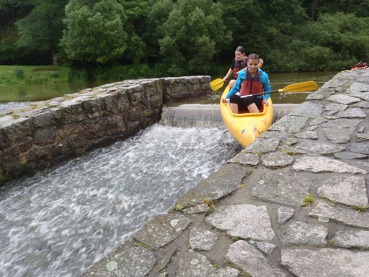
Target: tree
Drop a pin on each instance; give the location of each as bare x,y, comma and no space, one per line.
94,31
263,27
12,10
42,28
346,35
191,36
158,13
136,13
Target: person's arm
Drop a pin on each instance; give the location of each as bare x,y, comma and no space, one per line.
237,86
229,73
266,85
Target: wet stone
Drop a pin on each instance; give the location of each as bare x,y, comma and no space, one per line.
360,147
362,95
349,113
319,147
340,130
284,214
219,184
194,264
202,239
324,164
162,229
225,272
273,134
301,233
245,159
343,99
317,121
126,261
282,189
266,247
202,208
333,262
312,128
250,260
262,146
308,109
291,150
352,238
243,221
346,216
358,87
349,190
307,135
291,141
276,159
315,96
166,258
349,155
339,135
335,107
293,124
362,104
361,137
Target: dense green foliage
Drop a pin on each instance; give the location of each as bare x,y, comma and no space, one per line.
146,38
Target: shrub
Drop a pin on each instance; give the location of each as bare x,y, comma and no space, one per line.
19,73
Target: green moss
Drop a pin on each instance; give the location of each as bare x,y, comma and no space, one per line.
308,200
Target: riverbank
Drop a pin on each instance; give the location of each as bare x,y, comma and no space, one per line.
293,203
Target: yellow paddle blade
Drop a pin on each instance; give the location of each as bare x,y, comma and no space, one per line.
216,84
301,87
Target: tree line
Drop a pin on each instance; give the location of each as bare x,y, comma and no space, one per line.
179,37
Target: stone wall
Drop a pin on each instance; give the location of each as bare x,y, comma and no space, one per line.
47,133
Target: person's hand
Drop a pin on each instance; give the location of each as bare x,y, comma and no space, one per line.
261,62
266,102
224,100
225,79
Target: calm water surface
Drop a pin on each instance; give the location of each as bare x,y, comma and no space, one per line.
39,92
18,93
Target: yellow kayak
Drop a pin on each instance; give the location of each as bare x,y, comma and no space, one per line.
246,127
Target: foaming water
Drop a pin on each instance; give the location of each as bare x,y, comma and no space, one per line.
58,223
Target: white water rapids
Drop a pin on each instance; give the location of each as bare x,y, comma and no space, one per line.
61,221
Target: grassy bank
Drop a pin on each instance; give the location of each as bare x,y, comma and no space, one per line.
18,75
27,75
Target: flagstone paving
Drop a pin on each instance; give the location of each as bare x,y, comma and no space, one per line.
293,203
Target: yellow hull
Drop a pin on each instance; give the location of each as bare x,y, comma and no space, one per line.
245,128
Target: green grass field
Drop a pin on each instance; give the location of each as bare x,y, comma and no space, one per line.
24,74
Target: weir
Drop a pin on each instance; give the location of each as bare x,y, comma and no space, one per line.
208,115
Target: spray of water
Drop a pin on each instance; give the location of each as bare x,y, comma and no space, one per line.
59,222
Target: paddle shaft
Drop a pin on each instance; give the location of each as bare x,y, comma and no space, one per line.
273,91
295,88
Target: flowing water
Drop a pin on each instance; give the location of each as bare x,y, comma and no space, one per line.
58,223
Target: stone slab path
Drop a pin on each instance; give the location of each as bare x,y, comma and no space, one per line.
294,203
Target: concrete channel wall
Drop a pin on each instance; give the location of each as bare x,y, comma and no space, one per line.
44,134
293,203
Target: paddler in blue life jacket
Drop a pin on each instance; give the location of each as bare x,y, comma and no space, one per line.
251,80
